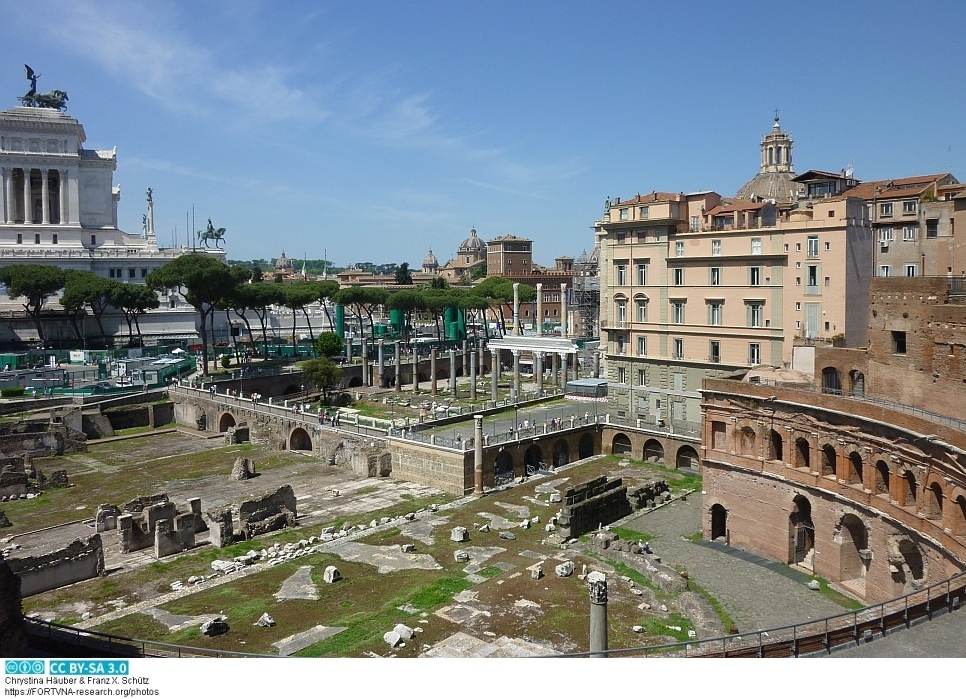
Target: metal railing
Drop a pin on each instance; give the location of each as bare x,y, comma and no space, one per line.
49,632
891,404
821,636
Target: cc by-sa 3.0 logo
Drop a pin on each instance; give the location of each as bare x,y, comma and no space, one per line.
24,667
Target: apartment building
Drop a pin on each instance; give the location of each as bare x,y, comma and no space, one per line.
696,286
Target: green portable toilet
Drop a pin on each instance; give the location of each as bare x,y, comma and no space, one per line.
340,320
397,319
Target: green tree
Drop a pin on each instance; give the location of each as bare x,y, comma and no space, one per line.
408,302
499,292
83,288
363,300
403,275
326,291
260,298
322,373
134,300
328,344
36,284
233,299
202,279
439,283
297,297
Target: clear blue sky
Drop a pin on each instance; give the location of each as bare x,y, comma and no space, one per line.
376,130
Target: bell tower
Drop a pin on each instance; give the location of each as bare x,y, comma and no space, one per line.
776,150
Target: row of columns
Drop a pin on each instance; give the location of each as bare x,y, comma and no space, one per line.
10,200
559,372
564,330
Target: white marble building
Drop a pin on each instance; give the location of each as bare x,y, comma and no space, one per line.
58,206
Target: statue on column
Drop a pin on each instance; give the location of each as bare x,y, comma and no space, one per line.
149,217
144,224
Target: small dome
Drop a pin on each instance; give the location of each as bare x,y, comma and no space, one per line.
283,262
430,259
473,243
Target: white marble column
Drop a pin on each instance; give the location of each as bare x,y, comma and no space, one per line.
494,374
62,186
516,374
564,330
7,194
45,194
73,200
28,216
516,308
539,318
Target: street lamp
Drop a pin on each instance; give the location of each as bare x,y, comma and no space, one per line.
516,425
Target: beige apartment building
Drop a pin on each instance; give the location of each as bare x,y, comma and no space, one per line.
695,286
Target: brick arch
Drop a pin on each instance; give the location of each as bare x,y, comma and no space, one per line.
299,440
776,446
620,444
585,447
933,498
956,513
561,453
882,484
225,421
907,489
854,476
852,535
909,564
687,457
802,453
747,440
828,460
654,451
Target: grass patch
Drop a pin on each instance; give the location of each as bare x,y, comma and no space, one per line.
660,626
639,578
628,534
490,572
837,597
696,537
726,619
438,592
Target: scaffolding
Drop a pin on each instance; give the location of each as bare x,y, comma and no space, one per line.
585,298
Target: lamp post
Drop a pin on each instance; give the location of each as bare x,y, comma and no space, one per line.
516,425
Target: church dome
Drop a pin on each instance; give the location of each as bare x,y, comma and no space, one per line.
430,260
283,263
776,174
473,243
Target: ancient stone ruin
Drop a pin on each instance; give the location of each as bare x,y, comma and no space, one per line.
589,505
267,513
82,559
243,469
19,478
152,521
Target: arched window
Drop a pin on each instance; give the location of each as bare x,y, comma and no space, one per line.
829,465
802,453
855,468
747,438
831,381
933,505
776,446
882,479
909,493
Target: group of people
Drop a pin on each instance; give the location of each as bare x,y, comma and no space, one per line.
331,418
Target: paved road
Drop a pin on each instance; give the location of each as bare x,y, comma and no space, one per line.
762,594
